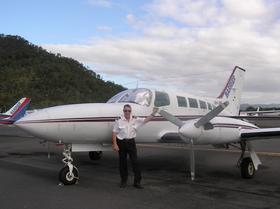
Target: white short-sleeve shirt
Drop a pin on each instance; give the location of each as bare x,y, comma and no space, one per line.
126,129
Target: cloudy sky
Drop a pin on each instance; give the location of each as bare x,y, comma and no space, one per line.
182,45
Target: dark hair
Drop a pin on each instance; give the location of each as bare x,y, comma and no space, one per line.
127,105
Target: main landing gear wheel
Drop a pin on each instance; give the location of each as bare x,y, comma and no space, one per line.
95,155
247,168
67,177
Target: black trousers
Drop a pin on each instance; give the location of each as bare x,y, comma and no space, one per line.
128,146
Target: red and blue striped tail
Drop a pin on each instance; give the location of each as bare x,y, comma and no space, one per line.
17,111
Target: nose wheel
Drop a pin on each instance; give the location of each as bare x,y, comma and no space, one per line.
69,174
68,178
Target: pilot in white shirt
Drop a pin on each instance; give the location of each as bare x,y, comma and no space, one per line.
123,139
126,129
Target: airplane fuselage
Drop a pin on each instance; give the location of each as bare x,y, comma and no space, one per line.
93,123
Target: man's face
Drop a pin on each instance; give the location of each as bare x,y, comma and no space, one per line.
127,112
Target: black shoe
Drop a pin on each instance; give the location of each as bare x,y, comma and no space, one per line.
138,186
123,184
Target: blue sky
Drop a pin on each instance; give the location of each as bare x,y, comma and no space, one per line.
62,21
182,45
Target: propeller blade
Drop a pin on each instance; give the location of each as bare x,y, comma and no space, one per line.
212,114
171,118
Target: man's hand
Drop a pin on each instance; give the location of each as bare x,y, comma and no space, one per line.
114,142
155,110
116,147
150,117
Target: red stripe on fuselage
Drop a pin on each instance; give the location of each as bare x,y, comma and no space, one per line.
4,116
6,122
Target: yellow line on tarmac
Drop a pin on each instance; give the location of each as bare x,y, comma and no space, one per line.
271,154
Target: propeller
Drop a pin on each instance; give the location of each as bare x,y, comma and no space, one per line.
171,118
190,130
212,114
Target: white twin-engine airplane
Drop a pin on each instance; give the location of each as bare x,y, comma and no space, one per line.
182,118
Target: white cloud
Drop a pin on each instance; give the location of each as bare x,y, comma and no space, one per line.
253,9
196,50
199,12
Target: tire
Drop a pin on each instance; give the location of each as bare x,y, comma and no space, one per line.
95,155
65,177
247,168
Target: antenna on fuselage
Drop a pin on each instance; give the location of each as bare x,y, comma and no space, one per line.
132,84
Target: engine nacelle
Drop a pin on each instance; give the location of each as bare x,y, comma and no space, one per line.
190,131
221,130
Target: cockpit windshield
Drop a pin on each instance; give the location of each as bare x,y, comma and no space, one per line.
139,96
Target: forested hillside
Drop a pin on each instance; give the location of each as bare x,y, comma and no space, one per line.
48,79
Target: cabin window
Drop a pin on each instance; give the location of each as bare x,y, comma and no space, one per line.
209,106
161,99
193,102
202,104
182,102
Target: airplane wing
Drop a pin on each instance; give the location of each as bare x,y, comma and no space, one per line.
258,134
261,121
246,135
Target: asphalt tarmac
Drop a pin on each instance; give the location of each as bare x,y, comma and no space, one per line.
29,180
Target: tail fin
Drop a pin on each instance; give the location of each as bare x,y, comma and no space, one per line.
15,107
233,89
17,111
20,110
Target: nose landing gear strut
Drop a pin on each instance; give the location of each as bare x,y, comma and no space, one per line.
69,174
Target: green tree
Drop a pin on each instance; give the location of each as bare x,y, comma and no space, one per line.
48,79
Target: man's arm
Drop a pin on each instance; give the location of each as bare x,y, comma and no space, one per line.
150,117
114,142
114,136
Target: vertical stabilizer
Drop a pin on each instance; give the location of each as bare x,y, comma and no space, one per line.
16,112
233,90
15,107
20,109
